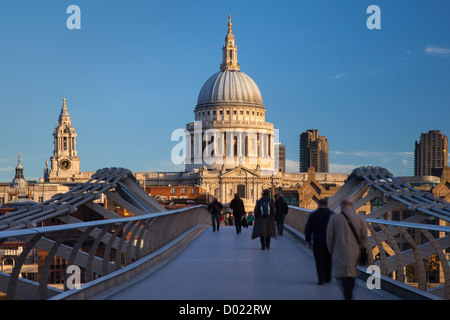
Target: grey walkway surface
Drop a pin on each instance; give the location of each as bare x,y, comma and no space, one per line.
224,265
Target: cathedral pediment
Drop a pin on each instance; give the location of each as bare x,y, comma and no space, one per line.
240,172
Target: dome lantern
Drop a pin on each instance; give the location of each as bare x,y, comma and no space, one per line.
229,61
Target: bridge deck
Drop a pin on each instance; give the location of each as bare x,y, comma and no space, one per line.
224,265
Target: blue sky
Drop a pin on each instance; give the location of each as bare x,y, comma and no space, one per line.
132,74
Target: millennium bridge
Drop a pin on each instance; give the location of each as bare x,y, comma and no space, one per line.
171,254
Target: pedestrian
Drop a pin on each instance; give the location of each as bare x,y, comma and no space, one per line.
237,205
250,219
264,220
230,220
282,209
316,226
215,208
245,222
346,235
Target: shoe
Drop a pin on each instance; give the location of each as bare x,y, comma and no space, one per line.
320,283
263,248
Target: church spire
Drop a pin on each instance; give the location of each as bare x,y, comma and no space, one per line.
19,168
64,115
229,61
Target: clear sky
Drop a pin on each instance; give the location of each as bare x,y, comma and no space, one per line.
132,74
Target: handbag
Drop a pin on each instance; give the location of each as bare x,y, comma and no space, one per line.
362,259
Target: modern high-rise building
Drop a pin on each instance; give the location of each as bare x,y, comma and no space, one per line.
431,154
314,151
281,154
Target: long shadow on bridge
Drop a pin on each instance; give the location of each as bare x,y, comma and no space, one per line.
224,265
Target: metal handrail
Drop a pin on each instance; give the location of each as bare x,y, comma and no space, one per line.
412,225
82,225
125,240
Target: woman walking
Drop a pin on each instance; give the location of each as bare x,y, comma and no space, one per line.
264,220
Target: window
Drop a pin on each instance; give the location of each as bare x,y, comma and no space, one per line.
183,190
173,190
192,190
228,111
242,113
40,199
235,112
214,113
221,112
395,215
2,201
65,143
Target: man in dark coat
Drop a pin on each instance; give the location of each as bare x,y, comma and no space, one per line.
264,227
282,209
215,208
317,226
237,205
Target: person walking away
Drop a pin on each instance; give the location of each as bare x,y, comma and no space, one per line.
264,220
282,209
343,245
215,209
237,205
316,227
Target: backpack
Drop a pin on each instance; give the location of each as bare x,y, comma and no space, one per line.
265,207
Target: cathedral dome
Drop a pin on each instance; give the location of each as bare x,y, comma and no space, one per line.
230,87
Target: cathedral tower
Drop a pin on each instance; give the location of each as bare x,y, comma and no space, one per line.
64,163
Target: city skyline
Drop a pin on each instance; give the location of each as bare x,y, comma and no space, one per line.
104,87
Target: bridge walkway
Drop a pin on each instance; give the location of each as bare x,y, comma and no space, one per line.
228,266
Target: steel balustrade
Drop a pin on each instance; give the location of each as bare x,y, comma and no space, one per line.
173,224
98,247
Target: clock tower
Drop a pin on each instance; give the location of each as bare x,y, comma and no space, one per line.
65,164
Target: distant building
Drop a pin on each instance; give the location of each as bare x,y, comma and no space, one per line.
281,157
314,151
431,154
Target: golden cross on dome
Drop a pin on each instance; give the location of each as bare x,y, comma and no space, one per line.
229,23
64,102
